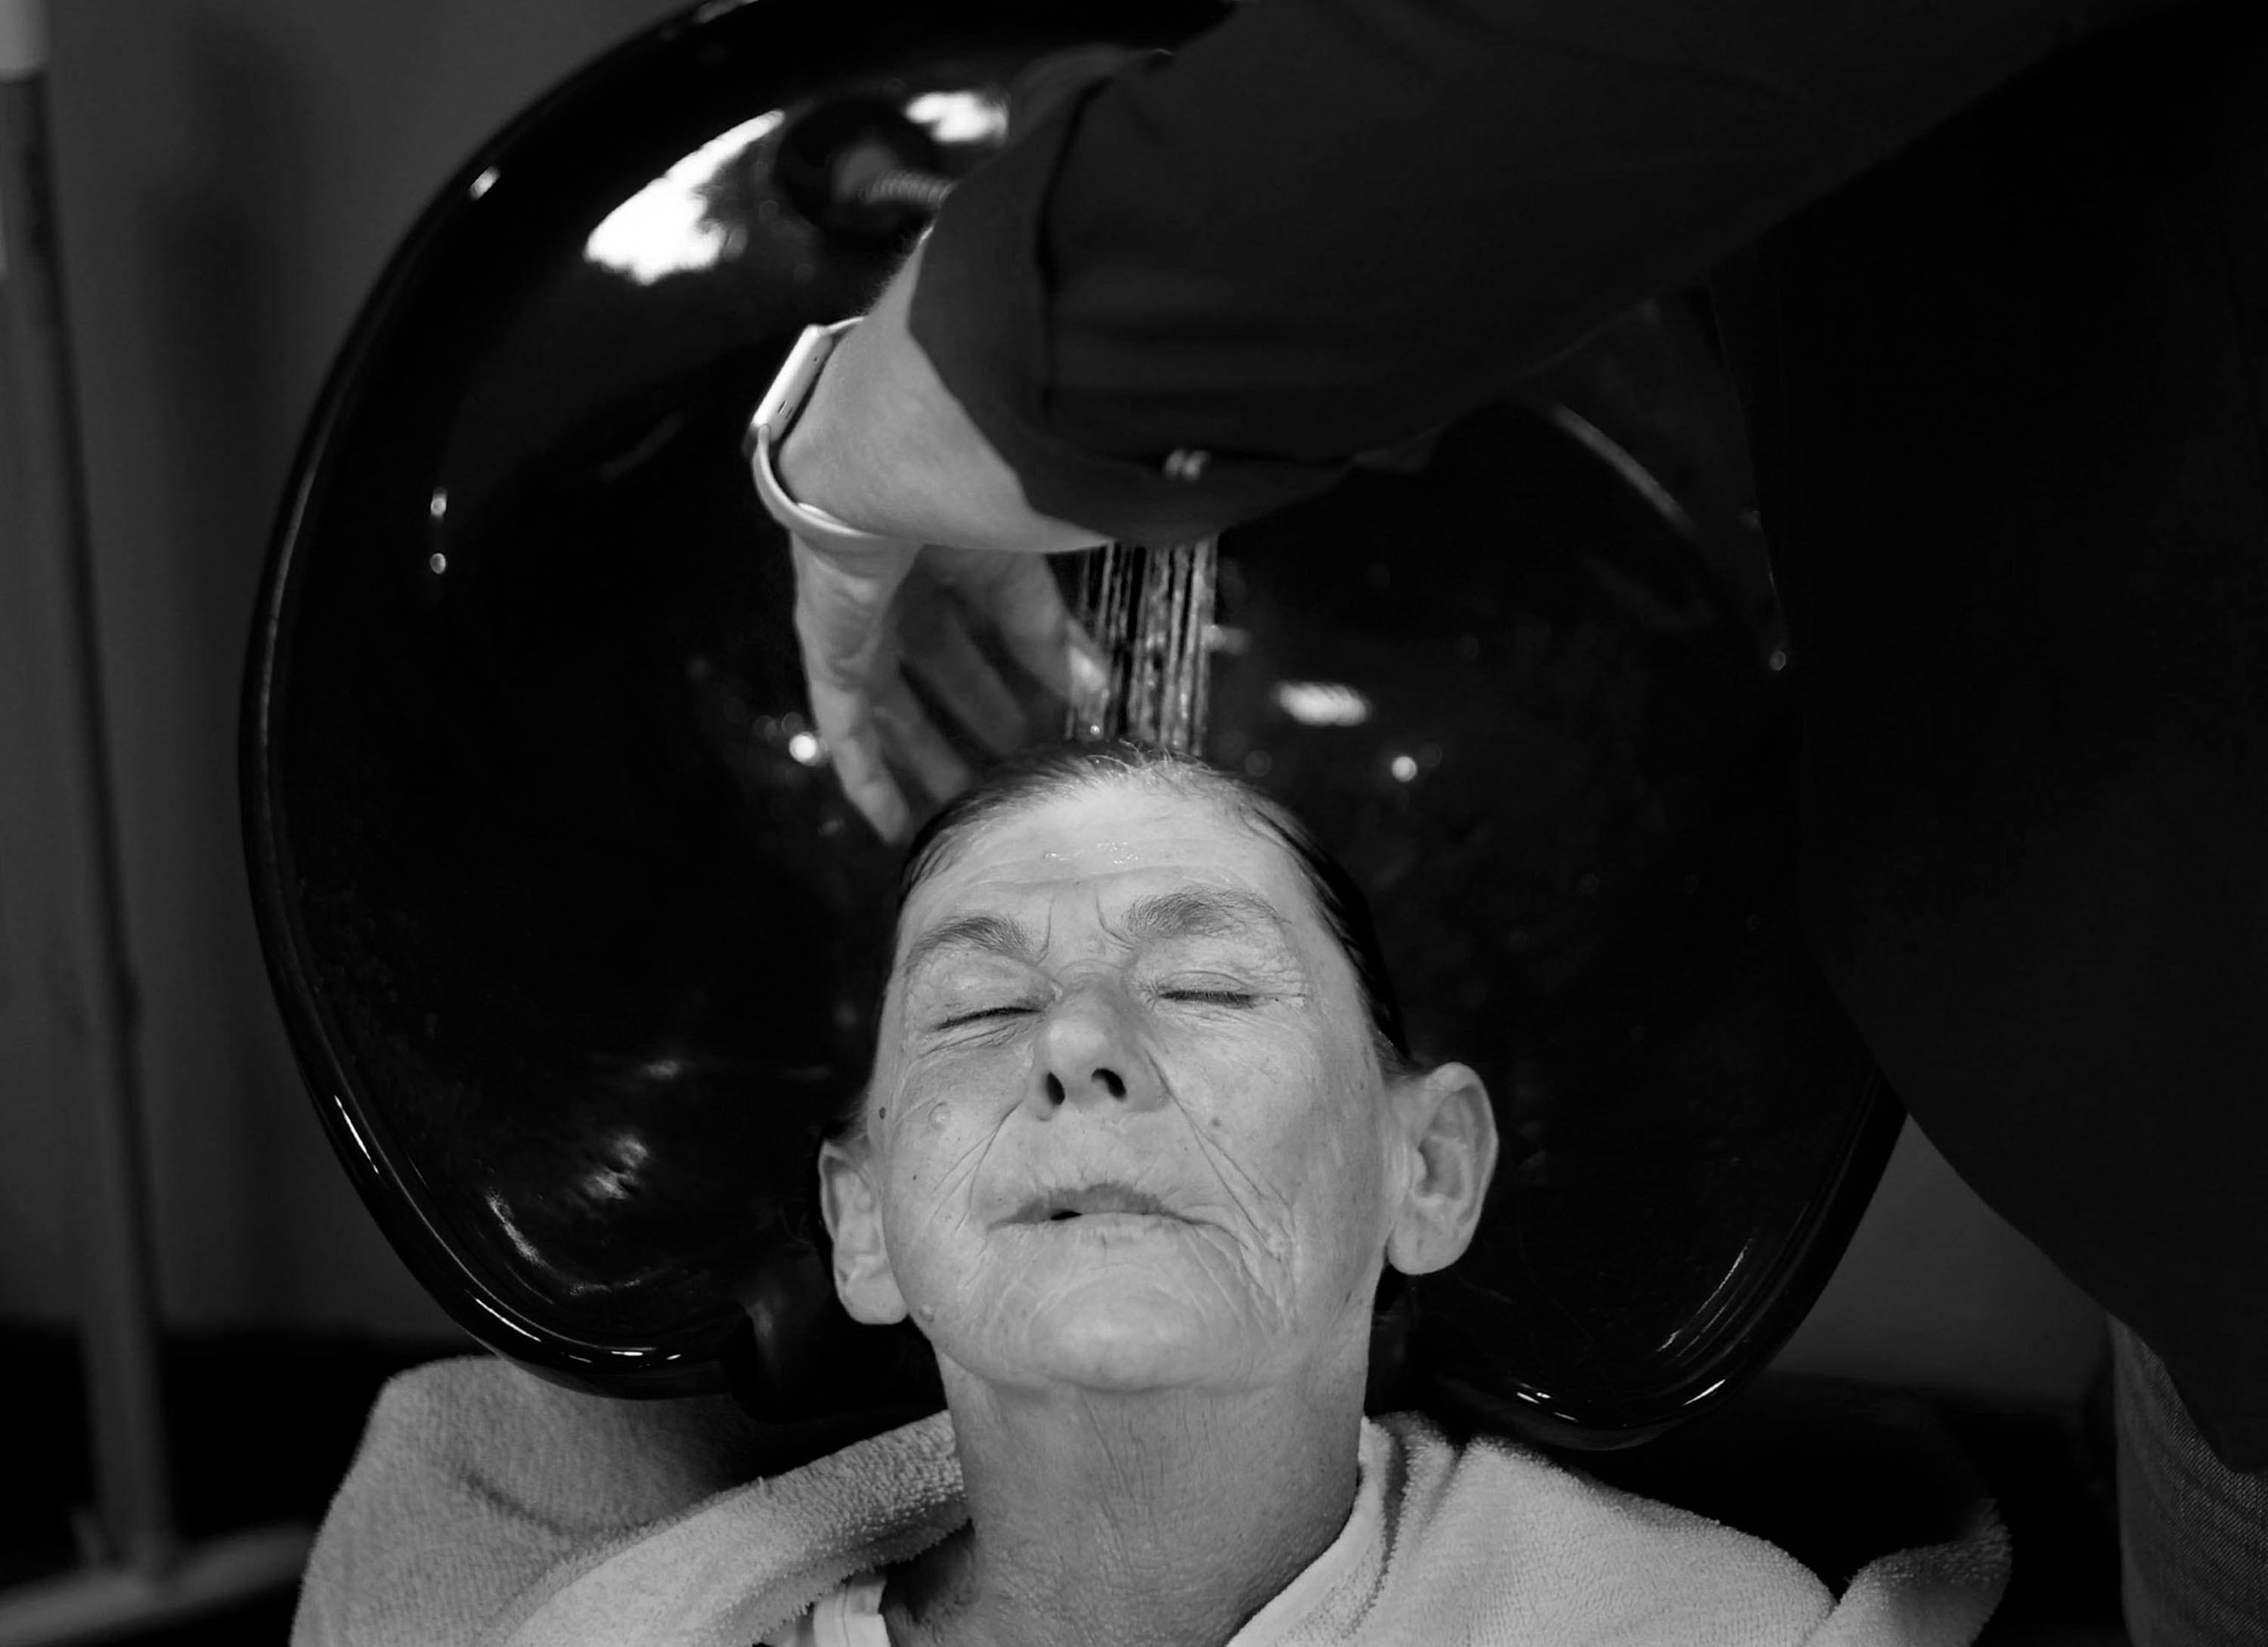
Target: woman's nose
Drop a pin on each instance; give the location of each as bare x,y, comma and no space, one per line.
1089,1053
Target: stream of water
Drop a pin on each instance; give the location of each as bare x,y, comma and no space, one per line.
1149,610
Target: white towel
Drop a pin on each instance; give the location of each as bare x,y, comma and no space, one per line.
487,1508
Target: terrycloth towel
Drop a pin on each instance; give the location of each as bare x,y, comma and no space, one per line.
486,1507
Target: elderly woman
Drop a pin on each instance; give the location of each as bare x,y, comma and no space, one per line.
1139,1146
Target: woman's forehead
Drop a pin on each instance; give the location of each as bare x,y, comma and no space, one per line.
1119,842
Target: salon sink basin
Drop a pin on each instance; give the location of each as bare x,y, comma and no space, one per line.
577,942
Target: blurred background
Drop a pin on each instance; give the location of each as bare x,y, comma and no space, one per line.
231,175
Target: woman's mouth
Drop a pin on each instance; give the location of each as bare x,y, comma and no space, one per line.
1092,1200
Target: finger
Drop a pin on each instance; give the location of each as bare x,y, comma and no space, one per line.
936,650
1018,595
852,738
842,601
913,739
842,604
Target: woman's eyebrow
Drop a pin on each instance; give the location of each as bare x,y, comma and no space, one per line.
994,933
1200,912
1184,912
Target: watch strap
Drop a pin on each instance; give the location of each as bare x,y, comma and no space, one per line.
776,416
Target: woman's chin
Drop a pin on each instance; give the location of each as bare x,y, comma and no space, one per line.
1113,1309
1125,1339
1121,1365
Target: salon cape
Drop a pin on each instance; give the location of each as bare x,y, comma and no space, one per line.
486,1507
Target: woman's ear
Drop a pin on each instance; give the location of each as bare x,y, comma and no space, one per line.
1452,1140
853,1213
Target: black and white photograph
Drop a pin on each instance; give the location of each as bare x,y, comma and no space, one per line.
1172,823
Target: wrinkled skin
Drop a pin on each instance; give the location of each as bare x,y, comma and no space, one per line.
1214,1056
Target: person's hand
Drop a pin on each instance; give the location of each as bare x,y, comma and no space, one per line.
871,622
883,445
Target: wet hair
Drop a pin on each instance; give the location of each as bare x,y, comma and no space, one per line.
1048,771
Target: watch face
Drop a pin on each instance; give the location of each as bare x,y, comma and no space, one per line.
791,388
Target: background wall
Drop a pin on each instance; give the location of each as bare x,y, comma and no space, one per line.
233,172
232,175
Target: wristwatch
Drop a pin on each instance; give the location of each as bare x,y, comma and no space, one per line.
776,415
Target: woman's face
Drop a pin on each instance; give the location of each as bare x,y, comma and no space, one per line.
1126,1130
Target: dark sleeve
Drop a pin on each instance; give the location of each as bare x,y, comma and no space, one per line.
1190,295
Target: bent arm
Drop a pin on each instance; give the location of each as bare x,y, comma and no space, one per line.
1190,295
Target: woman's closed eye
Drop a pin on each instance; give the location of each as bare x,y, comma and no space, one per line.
991,1012
1209,994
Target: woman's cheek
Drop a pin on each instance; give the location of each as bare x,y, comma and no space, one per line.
1275,1098
935,1148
